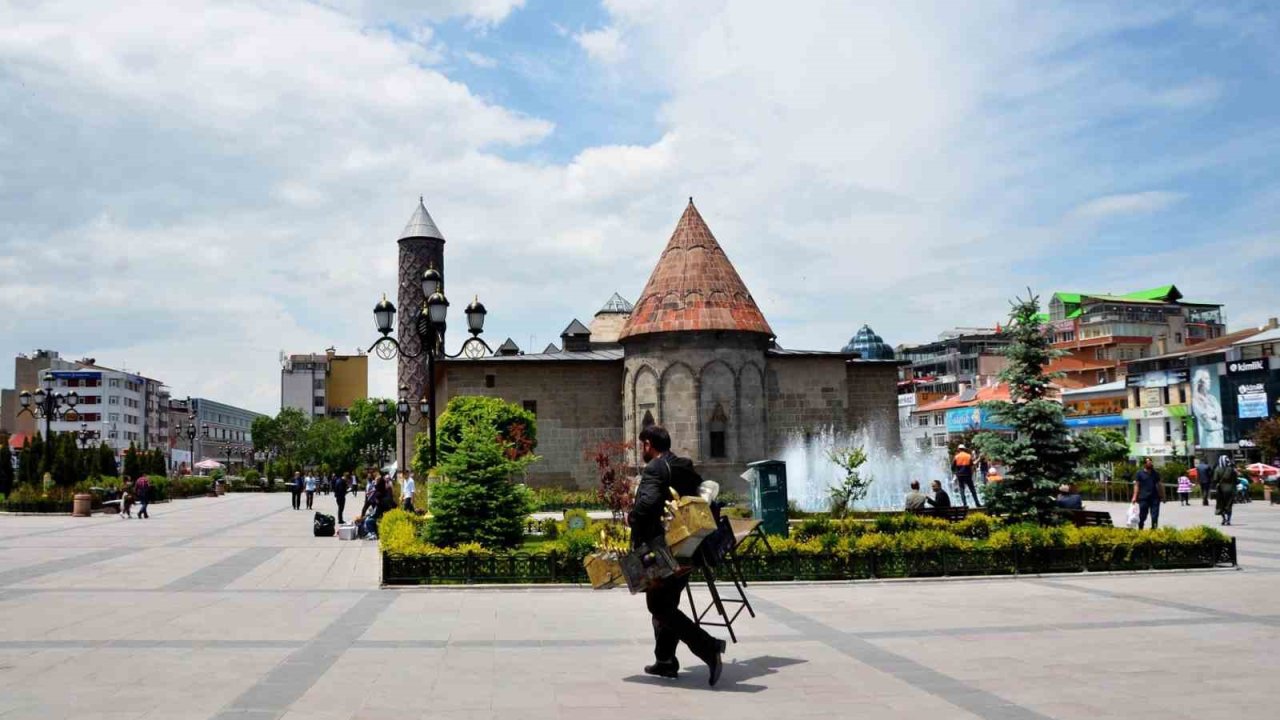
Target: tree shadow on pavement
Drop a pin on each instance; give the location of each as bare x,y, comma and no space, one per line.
731,680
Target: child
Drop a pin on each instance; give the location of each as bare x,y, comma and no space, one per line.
1184,489
126,503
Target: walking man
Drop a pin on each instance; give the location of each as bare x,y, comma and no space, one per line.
663,472
311,489
1204,476
1148,492
340,494
295,490
142,489
962,466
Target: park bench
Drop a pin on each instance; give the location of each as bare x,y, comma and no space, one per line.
1088,518
951,514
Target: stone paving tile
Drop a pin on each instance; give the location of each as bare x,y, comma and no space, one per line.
279,639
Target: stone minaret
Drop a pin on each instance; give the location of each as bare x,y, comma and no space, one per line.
421,244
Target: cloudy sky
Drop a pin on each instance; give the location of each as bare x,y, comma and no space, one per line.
188,188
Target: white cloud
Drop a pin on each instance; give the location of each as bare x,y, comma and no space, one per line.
233,185
603,45
1127,204
480,59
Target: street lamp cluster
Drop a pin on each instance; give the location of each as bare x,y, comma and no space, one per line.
45,404
402,419
430,328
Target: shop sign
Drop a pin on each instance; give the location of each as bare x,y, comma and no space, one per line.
1246,366
1156,379
1162,411
1251,400
1156,449
1152,396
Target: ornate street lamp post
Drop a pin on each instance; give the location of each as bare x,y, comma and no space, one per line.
188,429
430,328
402,419
84,435
45,404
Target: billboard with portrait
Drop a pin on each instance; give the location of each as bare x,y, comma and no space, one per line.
1206,405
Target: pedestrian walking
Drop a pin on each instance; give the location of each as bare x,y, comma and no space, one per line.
340,494
126,499
1184,489
962,467
295,490
310,487
1225,477
1148,493
142,488
1204,476
664,472
407,488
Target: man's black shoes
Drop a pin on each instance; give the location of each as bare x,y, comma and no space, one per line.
717,663
664,668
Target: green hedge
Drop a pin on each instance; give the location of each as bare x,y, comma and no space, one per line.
892,546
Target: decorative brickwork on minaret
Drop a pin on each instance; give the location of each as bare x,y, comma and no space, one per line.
694,287
421,244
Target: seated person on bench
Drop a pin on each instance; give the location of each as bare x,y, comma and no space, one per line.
940,500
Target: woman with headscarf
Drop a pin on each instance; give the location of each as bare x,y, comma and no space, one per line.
1225,476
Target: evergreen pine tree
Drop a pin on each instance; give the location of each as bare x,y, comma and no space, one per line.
132,469
28,464
107,461
64,469
39,457
6,467
158,464
1041,454
480,502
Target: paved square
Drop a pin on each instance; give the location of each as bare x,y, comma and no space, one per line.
229,608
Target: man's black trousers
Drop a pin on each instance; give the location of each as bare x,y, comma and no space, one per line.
968,482
672,627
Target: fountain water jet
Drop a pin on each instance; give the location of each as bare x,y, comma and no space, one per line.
810,472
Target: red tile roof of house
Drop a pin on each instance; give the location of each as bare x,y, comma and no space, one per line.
984,394
694,287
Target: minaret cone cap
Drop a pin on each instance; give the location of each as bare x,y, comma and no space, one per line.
421,225
694,287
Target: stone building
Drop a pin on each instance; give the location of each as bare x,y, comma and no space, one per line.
694,354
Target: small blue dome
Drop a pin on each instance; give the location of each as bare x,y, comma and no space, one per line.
869,345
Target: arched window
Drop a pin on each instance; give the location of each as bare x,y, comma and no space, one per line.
719,421
648,420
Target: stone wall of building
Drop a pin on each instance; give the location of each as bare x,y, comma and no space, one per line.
873,400
578,405
806,394
696,384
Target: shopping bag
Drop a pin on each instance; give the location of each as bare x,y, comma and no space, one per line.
323,525
689,521
648,565
1133,515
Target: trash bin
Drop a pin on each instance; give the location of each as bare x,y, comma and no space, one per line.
768,482
82,505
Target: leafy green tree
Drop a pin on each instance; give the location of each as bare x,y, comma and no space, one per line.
6,467
372,431
854,486
479,501
1100,450
265,432
291,434
517,427
106,465
1041,453
1267,438
328,445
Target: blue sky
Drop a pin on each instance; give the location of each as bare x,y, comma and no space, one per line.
190,190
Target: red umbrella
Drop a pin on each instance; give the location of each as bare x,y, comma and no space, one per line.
1263,470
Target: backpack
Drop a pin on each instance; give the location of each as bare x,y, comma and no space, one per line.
324,525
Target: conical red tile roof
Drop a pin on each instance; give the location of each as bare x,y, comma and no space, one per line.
694,287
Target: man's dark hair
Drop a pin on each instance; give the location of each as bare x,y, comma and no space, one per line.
657,436
915,484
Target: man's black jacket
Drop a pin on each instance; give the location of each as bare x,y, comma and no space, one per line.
660,474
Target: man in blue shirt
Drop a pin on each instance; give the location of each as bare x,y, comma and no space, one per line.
1148,493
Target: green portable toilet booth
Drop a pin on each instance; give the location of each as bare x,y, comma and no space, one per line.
768,482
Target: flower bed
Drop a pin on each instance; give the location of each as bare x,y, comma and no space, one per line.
890,547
